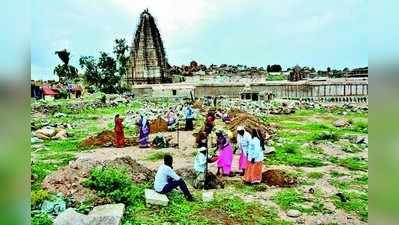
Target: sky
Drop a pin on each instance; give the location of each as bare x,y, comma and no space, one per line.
313,33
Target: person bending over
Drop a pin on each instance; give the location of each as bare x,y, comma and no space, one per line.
166,179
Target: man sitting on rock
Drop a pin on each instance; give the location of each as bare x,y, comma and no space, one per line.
166,179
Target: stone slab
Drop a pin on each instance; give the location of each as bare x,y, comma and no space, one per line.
154,198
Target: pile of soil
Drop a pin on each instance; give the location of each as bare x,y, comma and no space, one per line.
105,139
68,179
158,125
250,122
234,112
278,178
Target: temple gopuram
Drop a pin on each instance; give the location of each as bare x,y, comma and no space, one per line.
147,62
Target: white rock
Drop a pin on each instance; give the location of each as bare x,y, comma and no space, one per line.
341,123
294,213
34,140
61,135
101,215
49,132
107,214
207,196
269,150
71,217
154,198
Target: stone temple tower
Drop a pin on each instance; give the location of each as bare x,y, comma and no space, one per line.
147,62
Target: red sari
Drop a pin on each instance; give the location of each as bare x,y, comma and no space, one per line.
119,135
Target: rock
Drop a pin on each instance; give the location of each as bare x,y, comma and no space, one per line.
107,214
294,213
269,150
35,140
48,131
61,135
71,217
341,123
361,139
58,114
41,136
154,198
207,196
101,215
318,222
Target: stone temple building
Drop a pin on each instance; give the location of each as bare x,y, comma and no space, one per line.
147,62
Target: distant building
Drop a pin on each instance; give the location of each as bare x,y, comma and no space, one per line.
358,72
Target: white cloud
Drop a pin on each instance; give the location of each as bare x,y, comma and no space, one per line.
176,17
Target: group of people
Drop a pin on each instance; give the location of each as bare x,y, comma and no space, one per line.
143,125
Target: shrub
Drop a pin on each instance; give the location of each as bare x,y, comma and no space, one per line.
41,219
38,197
327,135
114,183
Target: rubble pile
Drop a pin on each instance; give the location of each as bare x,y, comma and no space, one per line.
278,178
68,179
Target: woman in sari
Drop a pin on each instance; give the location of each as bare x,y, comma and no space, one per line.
253,173
225,157
209,122
144,131
119,135
171,119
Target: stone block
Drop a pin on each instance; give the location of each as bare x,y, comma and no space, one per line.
154,198
107,214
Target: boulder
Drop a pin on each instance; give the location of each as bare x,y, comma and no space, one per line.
71,217
107,214
294,213
61,135
341,123
35,140
154,198
47,131
361,139
101,215
41,136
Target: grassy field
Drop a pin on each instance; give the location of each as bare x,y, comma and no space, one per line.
300,149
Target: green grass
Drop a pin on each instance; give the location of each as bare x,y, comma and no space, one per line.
352,163
290,154
224,209
159,155
249,189
315,175
357,203
289,199
336,174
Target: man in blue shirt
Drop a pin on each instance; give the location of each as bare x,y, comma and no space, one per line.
166,179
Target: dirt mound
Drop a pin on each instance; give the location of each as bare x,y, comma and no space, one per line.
234,112
278,178
68,179
158,125
250,122
105,139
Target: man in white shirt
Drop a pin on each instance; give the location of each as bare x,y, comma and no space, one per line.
166,179
243,141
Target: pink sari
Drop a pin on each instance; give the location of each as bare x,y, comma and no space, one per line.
225,158
242,163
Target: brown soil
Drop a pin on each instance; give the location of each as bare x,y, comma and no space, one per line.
251,122
219,215
158,125
105,139
68,179
277,178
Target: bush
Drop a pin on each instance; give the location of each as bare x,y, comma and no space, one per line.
114,183
38,197
327,135
41,219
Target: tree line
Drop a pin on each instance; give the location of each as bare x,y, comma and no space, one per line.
103,73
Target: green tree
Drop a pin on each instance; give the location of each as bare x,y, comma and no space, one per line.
90,73
108,72
122,57
65,72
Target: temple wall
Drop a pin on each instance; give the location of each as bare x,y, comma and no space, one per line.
287,90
